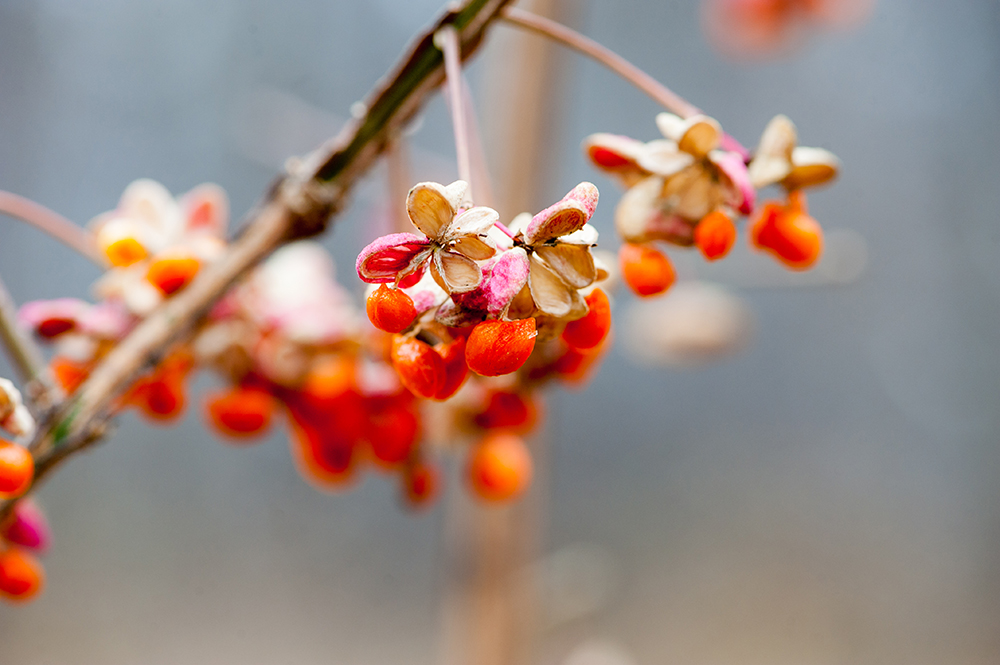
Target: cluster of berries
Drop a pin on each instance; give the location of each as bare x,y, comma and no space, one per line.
25,530
482,313
687,188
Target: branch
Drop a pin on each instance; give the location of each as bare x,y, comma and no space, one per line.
298,205
78,239
24,355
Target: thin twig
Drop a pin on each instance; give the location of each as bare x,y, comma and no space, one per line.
573,39
298,205
24,354
446,39
51,222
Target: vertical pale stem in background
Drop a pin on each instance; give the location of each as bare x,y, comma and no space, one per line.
491,607
397,160
446,39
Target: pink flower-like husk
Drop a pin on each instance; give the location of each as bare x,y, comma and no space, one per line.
27,527
503,277
381,261
33,314
568,215
731,164
106,320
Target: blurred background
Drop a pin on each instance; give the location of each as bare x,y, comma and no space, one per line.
829,494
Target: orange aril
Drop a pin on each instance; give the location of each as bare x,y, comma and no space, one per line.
419,366
500,347
17,468
240,412
421,482
500,467
171,273
390,310
589,331
125,251
21,575
392,431
788,233
456,371
69,373
715,235
646,270
508,410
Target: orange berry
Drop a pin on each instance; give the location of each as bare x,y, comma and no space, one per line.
715,235
323,456
589,331
788,233
69,373
508,410
172,273
392,431
646,270
390,310
456,371
421,483
17,468
159,397
124,252
500,347
419,366
500,467
21,575
241,412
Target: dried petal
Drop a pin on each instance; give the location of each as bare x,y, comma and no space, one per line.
206,210
574,264
664,158
811,167
459,273
474,221
742,194
430,209
551,294
697,135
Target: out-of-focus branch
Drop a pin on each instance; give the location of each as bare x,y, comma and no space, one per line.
51,222
23,353
299,204
573,39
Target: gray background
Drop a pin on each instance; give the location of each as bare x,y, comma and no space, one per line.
830,496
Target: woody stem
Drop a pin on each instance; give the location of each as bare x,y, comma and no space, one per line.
446,39
50,222
587,46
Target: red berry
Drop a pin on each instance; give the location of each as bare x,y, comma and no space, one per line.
589,331
21,576
390,310
500,467
715,235
645,269
500,347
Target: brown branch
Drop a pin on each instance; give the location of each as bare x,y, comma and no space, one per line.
298,205
24,355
